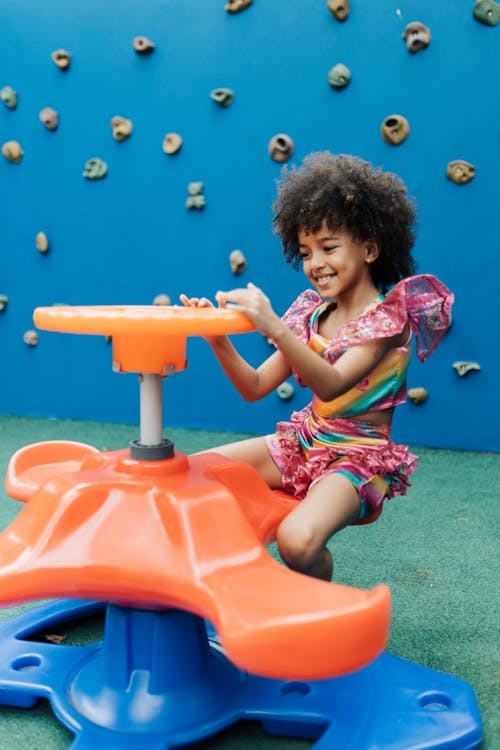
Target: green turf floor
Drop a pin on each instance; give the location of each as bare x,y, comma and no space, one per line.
437,548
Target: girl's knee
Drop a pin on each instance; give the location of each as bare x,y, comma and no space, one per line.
297,546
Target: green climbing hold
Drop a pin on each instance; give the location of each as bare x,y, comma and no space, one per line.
487,12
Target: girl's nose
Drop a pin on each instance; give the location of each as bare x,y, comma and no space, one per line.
317,259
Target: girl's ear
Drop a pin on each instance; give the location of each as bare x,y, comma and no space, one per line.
372,251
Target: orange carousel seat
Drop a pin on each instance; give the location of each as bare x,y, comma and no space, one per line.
189,533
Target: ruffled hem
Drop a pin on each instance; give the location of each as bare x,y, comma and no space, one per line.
394,463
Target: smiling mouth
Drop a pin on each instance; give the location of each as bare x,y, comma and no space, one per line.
324,280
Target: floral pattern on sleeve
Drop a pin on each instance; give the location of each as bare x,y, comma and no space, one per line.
422,300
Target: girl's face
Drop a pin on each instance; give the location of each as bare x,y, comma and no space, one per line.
333,261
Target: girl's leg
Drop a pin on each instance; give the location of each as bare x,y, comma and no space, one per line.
253,451
332,503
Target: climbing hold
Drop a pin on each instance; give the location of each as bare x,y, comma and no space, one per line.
395,129
95,169
222,97
122,128
339,9
162,300
237,261
280,147
195,199
234,6
285,390
41,242
417,395
172,143
417,36
9,97
4,301
487,12
143,45
30,338
463,368
339,76
12,151
49,118
460,172
62,58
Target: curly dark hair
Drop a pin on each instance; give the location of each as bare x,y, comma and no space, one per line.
349,193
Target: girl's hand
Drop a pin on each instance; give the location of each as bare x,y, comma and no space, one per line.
195,301
200,302
255,305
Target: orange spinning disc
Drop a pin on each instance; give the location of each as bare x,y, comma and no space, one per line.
146,338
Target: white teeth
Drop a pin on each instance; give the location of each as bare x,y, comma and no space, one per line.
324,279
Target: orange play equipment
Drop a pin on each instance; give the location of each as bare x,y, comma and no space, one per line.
150,531
172,546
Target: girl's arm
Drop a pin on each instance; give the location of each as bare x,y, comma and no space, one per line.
251,383
329,381
325,380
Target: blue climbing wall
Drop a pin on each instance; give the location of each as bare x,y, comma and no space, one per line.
129,237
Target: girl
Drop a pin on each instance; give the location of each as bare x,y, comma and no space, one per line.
350,227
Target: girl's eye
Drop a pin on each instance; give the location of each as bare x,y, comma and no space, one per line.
329,248
304,256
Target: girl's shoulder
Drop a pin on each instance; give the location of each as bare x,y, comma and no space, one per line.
420,291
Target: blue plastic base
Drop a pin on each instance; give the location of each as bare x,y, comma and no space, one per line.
160,680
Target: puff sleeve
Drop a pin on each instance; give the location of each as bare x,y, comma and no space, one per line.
423,301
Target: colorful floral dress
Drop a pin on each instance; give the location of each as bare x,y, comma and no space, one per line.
327,437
